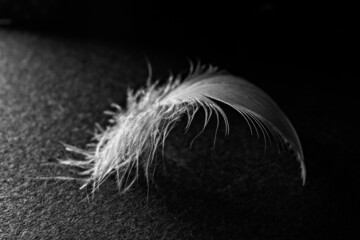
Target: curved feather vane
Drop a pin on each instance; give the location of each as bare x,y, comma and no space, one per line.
151,114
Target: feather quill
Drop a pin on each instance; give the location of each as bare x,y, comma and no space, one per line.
151,113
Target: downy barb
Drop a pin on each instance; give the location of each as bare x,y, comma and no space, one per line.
151,113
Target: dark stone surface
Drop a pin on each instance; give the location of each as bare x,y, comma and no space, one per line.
53,89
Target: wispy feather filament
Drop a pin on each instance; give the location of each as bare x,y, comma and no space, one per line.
152,112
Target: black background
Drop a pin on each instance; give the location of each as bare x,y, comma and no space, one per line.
304,55
317,35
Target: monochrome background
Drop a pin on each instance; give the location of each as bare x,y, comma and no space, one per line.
63,62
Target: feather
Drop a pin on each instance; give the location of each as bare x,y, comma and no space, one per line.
152,112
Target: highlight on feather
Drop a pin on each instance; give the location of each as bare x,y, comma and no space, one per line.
151,113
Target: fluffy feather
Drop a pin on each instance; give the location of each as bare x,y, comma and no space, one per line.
151,113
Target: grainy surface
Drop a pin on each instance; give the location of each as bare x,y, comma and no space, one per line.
53,90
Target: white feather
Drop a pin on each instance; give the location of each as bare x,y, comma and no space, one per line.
152,112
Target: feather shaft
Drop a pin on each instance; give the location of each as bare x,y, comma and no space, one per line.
152,113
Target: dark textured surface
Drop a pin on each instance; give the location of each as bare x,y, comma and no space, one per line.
53,90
